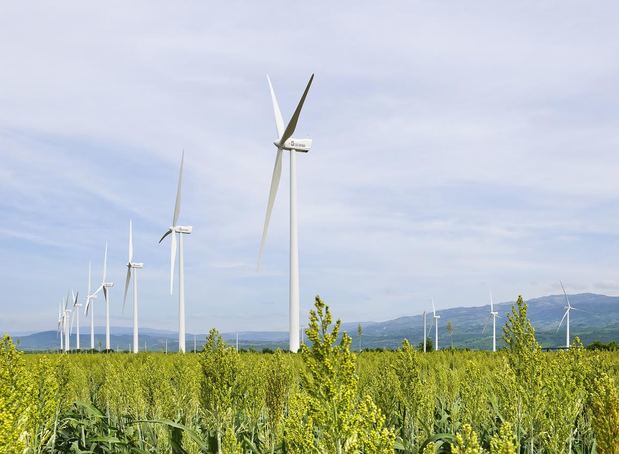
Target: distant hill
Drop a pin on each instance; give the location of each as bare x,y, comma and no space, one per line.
599,322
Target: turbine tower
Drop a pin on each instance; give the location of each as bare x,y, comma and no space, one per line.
425,333
180,230
76,311
436,317
90,298
105,286
131,265
66,323
285,141
493,315
60,328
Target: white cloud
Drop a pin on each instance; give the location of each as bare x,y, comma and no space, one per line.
455,144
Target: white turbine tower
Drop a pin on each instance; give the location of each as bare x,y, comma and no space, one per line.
131,265
180,230
76,311
285,141
60,328
493,315
425,333
436,317
566,317
66,323
105,286
90,298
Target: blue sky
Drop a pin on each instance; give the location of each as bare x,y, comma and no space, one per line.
456,146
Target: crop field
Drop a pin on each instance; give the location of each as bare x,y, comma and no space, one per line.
326,399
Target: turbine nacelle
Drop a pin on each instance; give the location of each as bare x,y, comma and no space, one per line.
135,265
183,229
292,144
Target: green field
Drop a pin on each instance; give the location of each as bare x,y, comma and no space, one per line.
325,399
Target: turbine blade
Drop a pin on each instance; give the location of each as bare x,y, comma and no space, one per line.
130,241
105,263
564,293
164,235
485,325
491,302
277,173
126,286
71,321
433,308
430,327
89,277
561,322
87,305
572,308
292,124
75,297
177,205
172,259
279,122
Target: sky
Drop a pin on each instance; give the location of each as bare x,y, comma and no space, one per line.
457,147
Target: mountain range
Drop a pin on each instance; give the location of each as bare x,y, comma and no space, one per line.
596,318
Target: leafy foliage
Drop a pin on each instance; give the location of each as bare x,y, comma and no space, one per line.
325,399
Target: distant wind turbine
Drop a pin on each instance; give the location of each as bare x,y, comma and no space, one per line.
436,317
131,265
105,286
90,298
180,230
493,315
566,317
285,141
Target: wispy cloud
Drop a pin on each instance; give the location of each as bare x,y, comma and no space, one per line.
455,146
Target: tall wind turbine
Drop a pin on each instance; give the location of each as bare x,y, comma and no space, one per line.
436,317
285,141
493,315
105,286
76,311
566,315
90,298
180,230
131,265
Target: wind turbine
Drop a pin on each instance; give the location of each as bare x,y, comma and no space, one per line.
106,294
66,325
493,315
133,265
436,317
567,308
180,230
76,311
90,297
285,141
